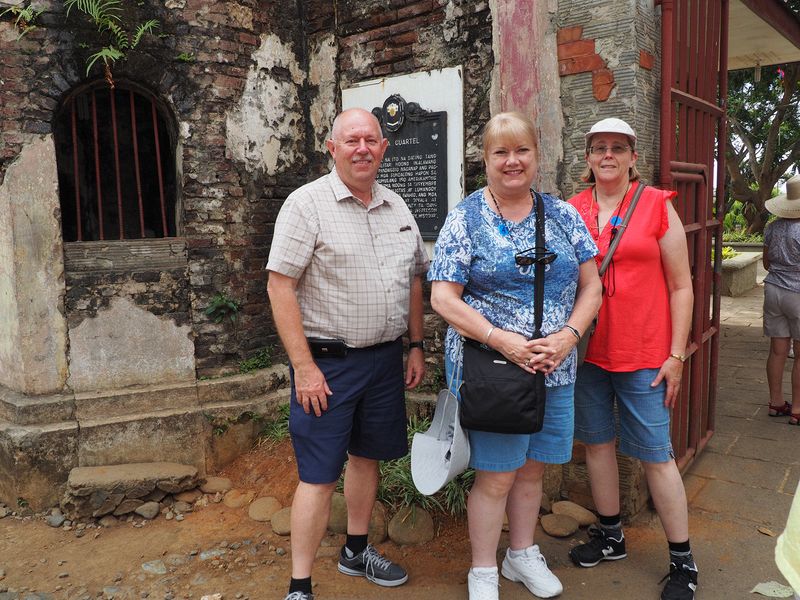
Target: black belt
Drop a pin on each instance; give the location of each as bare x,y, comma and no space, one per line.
336,347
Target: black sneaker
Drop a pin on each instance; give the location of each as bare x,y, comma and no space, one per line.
373,566
601,546
682,581
299,596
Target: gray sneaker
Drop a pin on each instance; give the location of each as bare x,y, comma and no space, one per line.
370,564
299,596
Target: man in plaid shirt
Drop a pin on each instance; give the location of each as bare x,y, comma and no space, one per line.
345,283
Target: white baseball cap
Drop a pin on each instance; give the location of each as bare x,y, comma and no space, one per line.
611,125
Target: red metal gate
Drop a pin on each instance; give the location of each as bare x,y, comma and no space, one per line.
694,83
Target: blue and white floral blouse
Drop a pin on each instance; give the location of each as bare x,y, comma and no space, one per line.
476,248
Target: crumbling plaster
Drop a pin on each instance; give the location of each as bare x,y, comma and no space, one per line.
148,349
265,131
32,328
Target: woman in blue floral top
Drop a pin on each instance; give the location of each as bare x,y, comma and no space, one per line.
484,295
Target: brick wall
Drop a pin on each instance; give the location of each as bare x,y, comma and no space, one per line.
249,113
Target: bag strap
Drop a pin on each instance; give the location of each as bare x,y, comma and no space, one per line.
621,228
538,286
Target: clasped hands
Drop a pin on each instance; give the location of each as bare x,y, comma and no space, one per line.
536,355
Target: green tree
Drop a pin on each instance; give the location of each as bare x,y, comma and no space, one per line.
763,133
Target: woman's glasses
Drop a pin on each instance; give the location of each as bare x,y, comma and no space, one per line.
525,258
603,150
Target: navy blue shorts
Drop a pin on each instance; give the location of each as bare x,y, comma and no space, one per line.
366,413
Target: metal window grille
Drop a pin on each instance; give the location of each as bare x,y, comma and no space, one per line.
116,166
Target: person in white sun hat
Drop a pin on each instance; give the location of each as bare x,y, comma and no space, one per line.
782,298
635,358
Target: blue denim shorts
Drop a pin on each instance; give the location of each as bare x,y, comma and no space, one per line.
508,452
643,418
366,413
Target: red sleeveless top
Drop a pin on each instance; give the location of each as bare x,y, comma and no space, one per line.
634,328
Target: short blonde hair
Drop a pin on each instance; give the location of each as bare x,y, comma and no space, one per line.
587,175
509,126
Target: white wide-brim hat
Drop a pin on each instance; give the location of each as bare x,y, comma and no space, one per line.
442,452
611,125
787,205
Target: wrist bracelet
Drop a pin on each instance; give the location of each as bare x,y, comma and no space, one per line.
679,357
488,335
574,331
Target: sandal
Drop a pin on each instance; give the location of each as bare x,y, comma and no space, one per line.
780,411
794,420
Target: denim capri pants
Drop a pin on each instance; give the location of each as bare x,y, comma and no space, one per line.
643,418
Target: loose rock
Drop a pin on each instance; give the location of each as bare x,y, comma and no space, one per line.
190,497
148,510
583,516
281,521
108,521
155,567
262,509
378,524
411,525
559,525
127,506
238,498
214,485
55,520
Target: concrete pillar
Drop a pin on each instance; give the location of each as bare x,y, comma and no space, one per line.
525,76
33,338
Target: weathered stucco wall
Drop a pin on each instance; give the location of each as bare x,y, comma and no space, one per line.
618,39
105,356
32,327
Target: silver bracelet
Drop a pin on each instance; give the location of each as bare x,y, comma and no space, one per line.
574,331
488,335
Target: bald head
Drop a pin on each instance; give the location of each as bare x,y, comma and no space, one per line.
353,115
357,146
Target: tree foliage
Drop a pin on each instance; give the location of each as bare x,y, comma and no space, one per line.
763,134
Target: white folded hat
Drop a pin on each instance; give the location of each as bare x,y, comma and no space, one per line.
442,452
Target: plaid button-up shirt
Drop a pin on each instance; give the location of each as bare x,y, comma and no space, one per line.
354,264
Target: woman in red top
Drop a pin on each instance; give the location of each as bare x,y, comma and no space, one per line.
635,357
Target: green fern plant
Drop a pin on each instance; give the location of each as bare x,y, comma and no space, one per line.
25,20
106,16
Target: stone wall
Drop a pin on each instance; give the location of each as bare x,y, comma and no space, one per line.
608,61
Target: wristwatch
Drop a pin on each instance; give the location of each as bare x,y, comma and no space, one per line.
420,344
680,357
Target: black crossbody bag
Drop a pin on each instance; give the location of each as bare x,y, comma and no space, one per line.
496,394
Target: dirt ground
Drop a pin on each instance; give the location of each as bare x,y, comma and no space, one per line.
256,563
220,550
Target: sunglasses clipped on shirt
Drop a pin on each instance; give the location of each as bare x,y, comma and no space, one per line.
525,258
603,150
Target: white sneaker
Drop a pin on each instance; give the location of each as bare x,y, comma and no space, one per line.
483,584
531,569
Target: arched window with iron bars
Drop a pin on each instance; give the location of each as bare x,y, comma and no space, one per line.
116,165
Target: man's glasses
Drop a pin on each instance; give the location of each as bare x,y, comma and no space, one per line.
603,150
526,258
